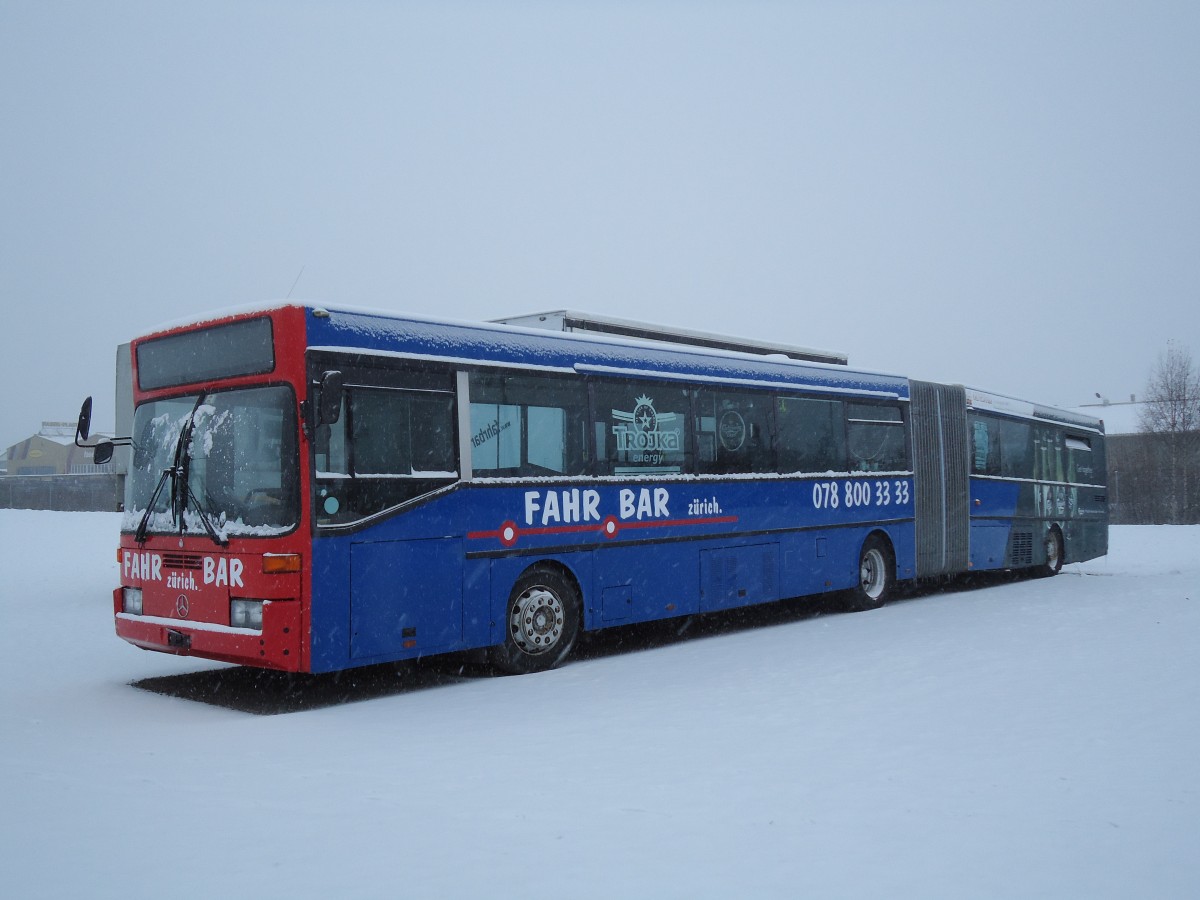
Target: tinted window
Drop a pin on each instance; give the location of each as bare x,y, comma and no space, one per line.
985,446
1015,447
390,444
875,438
1000,447
1048,453
400,433
1081,461
733,432
811,435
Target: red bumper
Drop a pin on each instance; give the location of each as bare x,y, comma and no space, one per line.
277,646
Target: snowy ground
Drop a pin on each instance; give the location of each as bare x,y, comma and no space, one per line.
1027,739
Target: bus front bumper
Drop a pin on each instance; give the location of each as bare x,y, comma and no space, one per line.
276,646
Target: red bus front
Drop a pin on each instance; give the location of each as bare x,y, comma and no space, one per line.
215,534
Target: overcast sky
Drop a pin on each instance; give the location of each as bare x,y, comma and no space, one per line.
1002,194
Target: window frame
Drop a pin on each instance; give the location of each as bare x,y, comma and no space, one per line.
369,496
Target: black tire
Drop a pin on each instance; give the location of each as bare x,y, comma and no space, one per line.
876,575
1054,554
541,623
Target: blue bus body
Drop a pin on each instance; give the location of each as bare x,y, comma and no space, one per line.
438,576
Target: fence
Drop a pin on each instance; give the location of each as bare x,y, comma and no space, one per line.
1154,479
75,493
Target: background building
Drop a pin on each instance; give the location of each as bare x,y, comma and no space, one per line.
52,451
47,471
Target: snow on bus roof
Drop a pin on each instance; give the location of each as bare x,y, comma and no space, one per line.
220,314
637,357
774,362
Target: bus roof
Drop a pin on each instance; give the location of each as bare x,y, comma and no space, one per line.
571,321
999,403
379,332
514,346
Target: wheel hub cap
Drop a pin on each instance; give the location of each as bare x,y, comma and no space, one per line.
871,574
537,620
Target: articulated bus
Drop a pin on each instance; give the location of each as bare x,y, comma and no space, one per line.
312,489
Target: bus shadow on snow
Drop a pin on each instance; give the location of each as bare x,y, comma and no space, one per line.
265,692
651,635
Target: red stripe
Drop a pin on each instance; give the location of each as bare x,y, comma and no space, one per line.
655,523
599,526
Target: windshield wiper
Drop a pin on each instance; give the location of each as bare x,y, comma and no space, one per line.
140,534
182,494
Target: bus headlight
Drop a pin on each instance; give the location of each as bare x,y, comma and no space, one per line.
131,601
246,614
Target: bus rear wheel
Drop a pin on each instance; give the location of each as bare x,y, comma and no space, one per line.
876,575
541,623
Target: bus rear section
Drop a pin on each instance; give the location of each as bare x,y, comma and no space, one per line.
1004,484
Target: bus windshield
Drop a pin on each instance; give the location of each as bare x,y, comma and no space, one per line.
239,460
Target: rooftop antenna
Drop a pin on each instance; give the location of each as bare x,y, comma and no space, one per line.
294,283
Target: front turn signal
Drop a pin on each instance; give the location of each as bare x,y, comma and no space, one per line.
280,563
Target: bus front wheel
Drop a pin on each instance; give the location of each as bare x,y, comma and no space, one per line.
876,575
541,623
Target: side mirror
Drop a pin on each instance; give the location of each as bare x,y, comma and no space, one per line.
329,402
103,453
84,426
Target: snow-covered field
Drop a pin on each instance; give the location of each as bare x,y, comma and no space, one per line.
1038,738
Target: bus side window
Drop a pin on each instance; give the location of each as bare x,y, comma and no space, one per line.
1000,446
1016,441
380,432
400,433
985,446
733,432
640,427
389,445
1080,465
431,434
811,435
527,425
875,438
1048,454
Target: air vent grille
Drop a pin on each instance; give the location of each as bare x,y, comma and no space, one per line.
182,561
1022,548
